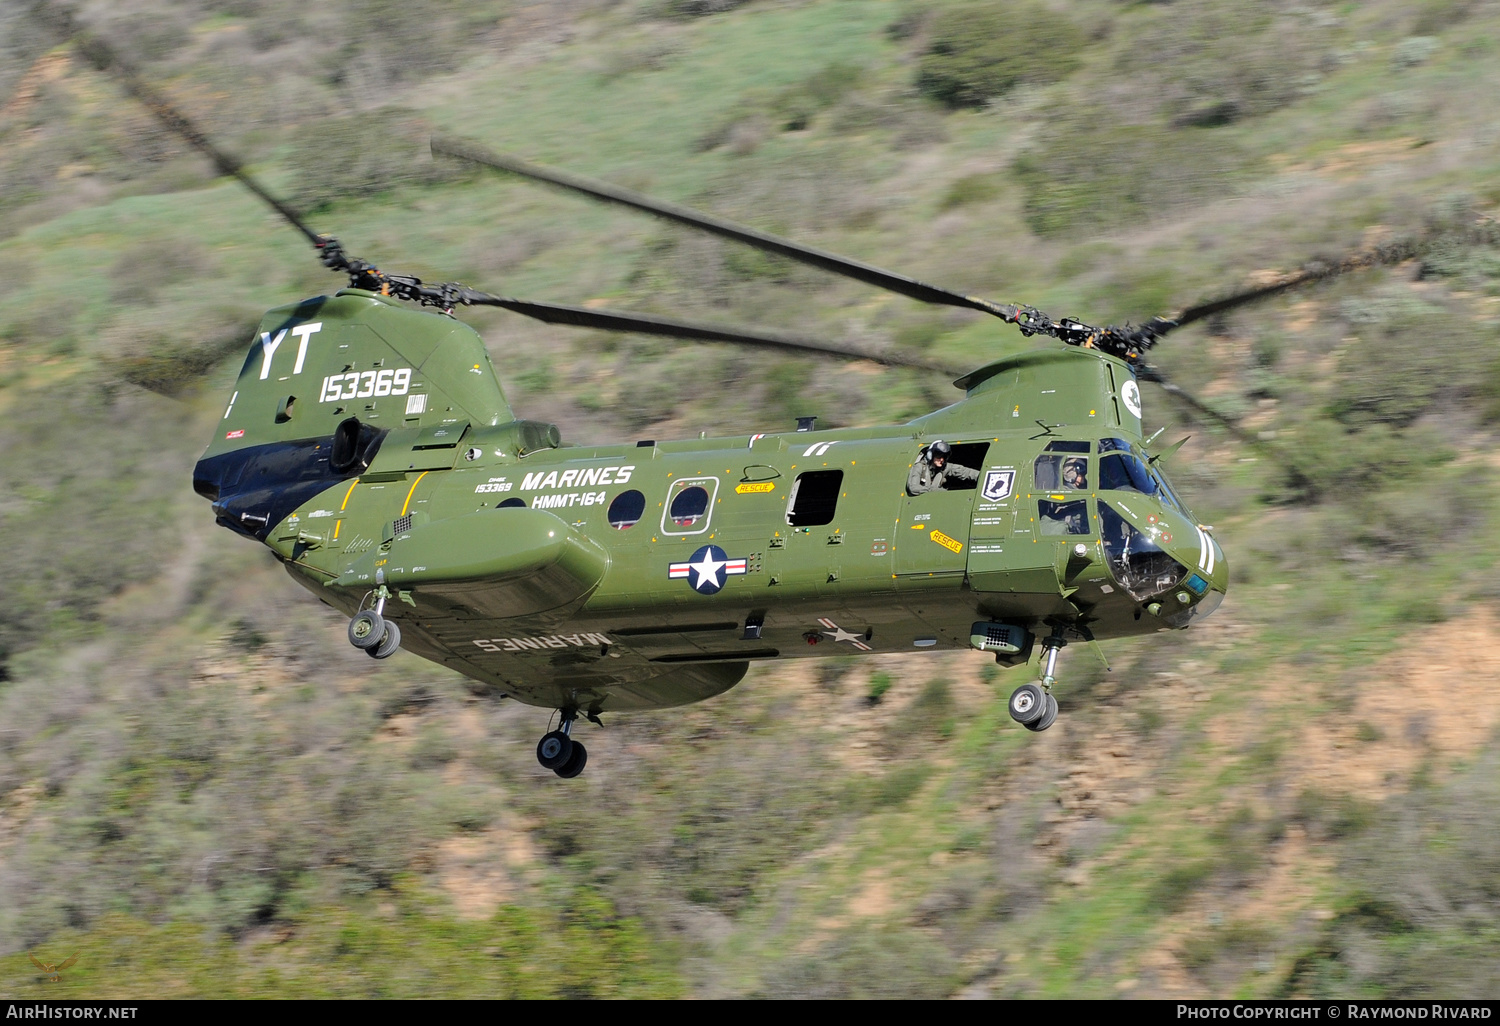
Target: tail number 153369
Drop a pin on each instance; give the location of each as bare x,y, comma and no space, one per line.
365,384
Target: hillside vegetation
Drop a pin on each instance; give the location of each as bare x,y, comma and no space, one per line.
204,790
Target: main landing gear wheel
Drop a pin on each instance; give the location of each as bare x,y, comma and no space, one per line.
1048,717
577,759
555,749
367,630
388,644
1028,704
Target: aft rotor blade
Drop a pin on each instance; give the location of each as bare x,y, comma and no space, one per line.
765,241
104,58
1147,372
650,324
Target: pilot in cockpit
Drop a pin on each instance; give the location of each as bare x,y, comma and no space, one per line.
1075,475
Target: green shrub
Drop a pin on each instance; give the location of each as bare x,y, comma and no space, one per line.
980,50
1173,889
354,158
971,189
1095,174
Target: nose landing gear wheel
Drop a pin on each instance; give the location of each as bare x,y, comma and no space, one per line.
366,630
554,750
1028,704
577,759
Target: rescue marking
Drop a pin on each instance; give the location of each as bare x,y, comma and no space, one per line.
951,544
751,487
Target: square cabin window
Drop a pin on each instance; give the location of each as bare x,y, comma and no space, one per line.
815,496
690,506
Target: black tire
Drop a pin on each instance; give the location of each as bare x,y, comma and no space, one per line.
366,630
388,644
554,749
1048,718
1028,703
577,760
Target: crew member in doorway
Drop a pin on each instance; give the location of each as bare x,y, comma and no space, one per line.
934,470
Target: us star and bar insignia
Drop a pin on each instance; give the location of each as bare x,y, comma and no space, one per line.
707,569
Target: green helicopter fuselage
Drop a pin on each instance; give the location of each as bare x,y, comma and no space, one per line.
371,447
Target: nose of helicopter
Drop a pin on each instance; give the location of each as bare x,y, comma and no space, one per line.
1204,586
1162,559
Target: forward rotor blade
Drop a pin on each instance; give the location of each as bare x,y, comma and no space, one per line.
819,258
1393,252
650,324
104,58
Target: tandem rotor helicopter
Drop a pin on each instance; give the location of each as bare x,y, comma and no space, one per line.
368,444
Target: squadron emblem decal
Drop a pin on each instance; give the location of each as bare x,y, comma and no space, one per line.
707,570
998,483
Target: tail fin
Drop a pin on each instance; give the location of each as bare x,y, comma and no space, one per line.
323,383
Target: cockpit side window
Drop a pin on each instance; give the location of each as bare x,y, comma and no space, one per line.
1057,473
1123,471
1054,518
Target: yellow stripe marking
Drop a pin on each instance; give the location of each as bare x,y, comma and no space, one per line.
413,490
340,521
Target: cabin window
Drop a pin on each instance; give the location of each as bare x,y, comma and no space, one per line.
1055,473
689,506
1054,518
814,497
626,510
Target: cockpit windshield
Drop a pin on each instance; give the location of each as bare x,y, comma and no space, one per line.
1123,471
1167,493
1135,560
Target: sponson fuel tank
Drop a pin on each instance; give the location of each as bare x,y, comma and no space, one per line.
493,562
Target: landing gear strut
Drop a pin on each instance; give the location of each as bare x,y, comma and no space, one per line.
372,633
558,752
1032,705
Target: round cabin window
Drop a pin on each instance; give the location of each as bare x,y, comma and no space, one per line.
626,510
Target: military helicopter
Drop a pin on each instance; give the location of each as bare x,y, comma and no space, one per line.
368,443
